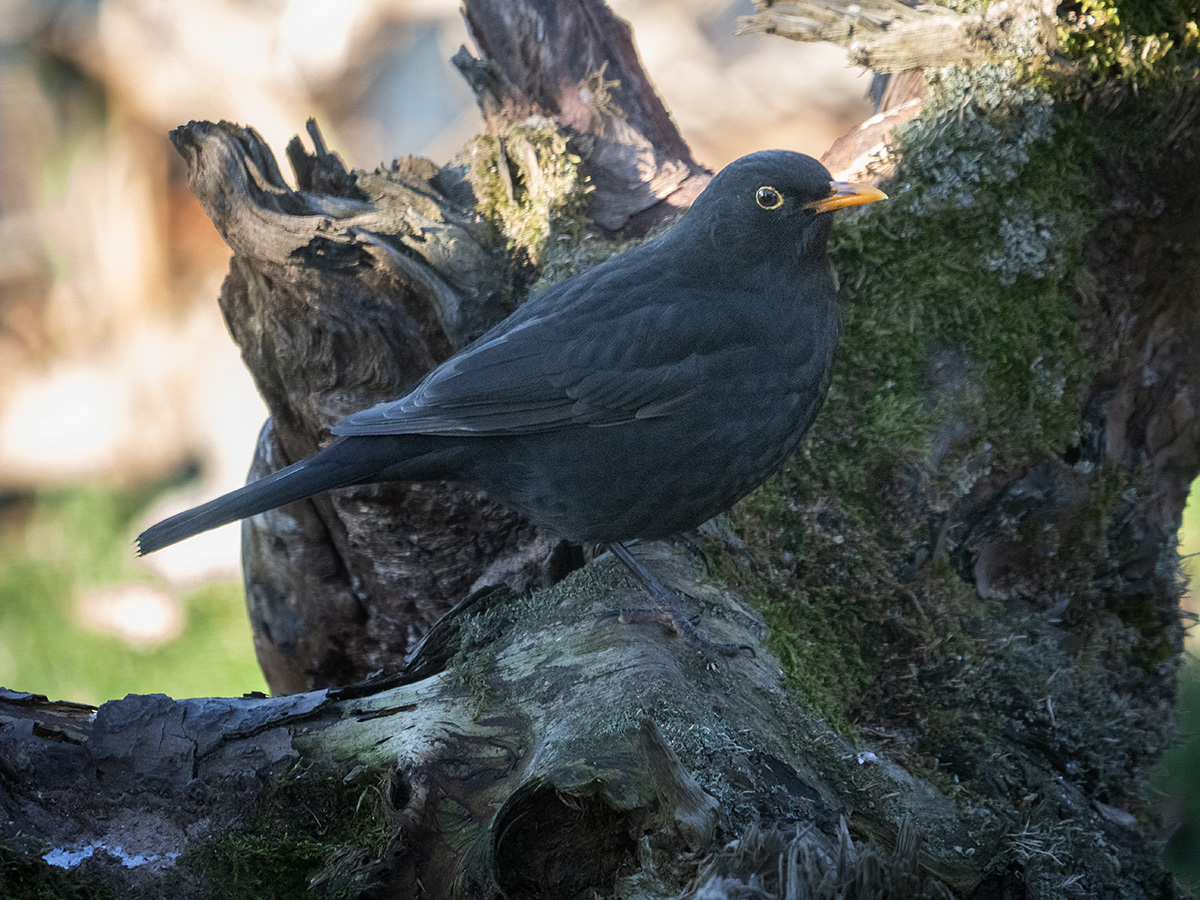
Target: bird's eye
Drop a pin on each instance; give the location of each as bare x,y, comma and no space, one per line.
768,198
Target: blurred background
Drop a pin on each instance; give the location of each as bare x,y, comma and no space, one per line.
122,398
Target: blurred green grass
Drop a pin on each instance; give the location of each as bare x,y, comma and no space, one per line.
57,548
1179,780
1179,775
1189,550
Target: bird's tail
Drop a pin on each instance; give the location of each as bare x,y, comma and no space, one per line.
331,468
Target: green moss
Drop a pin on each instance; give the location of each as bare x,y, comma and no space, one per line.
481,629
963,318
849,629
313,834
1137,41
472,664
532,187
970,268
24,876
276,866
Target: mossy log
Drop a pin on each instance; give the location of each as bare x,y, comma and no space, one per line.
531,748
962,592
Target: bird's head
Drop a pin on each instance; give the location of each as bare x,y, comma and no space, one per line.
774,201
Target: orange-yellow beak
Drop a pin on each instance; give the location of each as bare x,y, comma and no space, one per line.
846,193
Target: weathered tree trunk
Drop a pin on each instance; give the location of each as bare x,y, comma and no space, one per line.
962,592
344,293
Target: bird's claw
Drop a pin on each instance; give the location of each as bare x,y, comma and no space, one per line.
674,623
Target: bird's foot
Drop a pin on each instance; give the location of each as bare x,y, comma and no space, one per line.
668,611
675,621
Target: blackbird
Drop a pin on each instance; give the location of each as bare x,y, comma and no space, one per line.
635,400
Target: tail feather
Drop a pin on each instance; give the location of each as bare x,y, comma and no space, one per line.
325,471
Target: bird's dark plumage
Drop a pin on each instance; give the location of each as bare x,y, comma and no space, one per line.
635,400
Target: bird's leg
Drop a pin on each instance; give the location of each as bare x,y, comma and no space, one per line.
669,612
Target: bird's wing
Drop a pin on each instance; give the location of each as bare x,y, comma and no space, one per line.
568,359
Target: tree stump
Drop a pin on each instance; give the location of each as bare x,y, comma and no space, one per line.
962,592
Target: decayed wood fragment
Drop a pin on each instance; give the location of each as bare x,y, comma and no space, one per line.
575,64
895,35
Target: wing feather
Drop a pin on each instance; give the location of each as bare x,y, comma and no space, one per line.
580,354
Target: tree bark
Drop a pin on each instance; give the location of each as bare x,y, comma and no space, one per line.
962,593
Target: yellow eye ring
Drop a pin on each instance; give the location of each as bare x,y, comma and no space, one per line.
768,198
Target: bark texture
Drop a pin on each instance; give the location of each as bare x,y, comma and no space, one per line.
895,35
963,591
